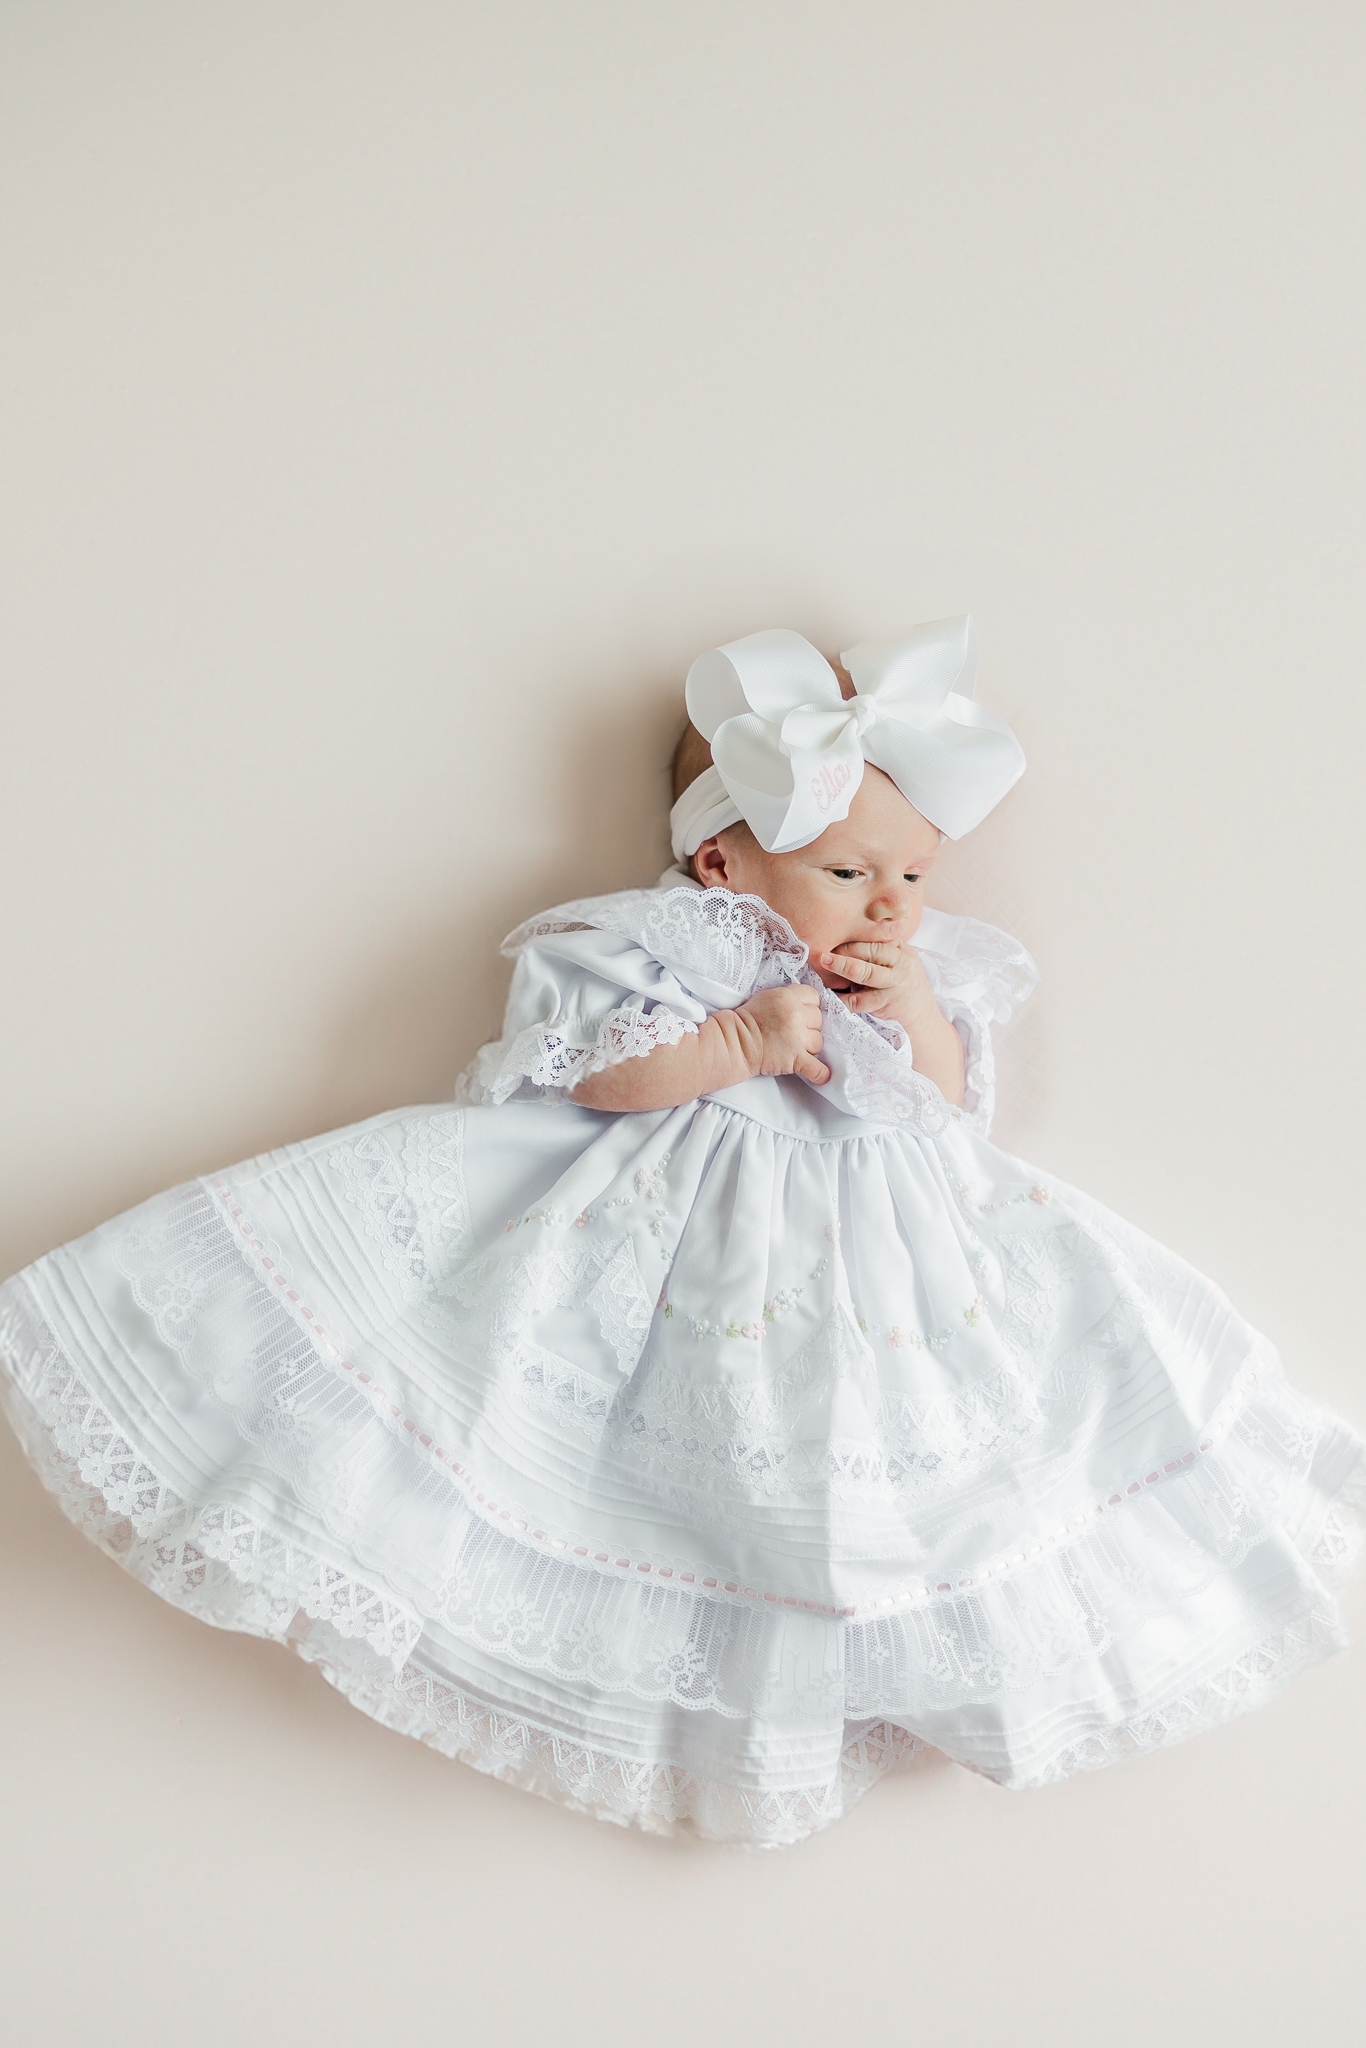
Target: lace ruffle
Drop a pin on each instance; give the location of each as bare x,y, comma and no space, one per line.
659,1796
553,1059
976,965
738,944
980,977
716,934
213,1558
719,941
989,1636
670,1798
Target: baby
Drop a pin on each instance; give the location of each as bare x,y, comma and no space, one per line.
697,1462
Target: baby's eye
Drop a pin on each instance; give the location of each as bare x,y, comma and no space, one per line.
912,878
846,874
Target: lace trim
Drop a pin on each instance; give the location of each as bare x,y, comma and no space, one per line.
226,1568
223,1564
878,1078
660,1797
414,1206
985,971
741,945
737,943
669,1798
1248,1683
215,1559
1237,1475
979,1068
1236,1506
555,1060
716,933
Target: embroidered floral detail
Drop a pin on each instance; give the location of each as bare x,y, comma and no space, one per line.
752,1329
651,1182
967,1194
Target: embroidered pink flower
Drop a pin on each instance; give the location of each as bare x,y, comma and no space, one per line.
1039,1194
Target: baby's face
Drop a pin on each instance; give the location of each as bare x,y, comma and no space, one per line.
862,879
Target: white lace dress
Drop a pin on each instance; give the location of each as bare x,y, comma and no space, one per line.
694,1466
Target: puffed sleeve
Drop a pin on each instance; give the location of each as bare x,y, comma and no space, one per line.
580,1000
978,975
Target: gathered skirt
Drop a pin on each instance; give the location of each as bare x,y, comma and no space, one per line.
687,1468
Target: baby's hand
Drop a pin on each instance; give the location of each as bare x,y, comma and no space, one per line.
891,982
784,1025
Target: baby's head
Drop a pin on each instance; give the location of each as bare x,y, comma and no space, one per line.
826,787
863,878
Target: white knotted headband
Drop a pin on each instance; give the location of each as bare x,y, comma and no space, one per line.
789,750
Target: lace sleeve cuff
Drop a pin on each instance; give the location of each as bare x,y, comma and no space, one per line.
979,975
979,1068
550,1059
979,1063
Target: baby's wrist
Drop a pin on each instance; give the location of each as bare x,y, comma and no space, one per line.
742,1041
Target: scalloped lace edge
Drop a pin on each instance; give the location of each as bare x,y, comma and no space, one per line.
659,1796
668,1798
1241,1687
361,1642
237,1575
553,1060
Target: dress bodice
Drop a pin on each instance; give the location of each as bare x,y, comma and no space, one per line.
609,978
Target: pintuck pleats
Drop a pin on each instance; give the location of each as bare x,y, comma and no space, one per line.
695,1468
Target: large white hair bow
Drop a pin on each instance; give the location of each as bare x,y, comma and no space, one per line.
790,750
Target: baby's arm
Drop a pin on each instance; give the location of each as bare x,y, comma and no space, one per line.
896,985
778,1032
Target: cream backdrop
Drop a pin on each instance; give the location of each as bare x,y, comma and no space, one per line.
395,398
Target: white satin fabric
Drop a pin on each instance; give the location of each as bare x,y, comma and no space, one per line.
788,749
694,1467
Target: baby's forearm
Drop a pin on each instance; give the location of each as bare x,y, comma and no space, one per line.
937,1053
723,1051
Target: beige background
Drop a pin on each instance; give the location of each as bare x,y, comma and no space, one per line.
395,397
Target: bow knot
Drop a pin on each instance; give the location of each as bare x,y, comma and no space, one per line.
789,751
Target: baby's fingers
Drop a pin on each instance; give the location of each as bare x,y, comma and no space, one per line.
868,973
811,1069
